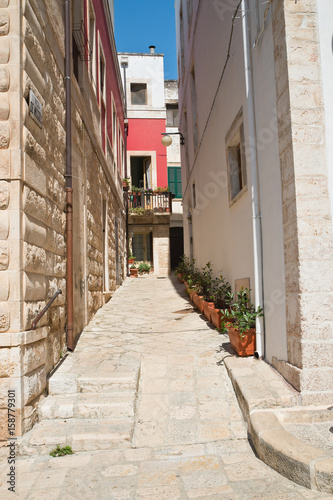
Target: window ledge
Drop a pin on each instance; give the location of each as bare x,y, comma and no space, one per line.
238,196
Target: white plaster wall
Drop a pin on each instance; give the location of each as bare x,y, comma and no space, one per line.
223,234
145,68
325,16
270,196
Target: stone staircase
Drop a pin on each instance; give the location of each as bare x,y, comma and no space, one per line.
87,412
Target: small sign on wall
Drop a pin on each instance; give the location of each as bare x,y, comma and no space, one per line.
35,109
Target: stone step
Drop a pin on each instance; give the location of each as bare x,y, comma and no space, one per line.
81,435
88,405
64,383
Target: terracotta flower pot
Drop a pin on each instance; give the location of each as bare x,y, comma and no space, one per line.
217,317
180,277
245,346
134,272
131,261
198,302
207,309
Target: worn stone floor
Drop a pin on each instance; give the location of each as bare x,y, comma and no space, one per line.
148,408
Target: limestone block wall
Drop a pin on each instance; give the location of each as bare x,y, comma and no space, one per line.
306,208
32,204
161,249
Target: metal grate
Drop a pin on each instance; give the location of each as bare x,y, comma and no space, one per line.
82,41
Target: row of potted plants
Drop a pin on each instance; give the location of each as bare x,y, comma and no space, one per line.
142,268
158,190
229,312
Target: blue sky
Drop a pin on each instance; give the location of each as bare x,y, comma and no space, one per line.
139,24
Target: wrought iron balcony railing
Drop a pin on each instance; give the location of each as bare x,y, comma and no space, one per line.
141,202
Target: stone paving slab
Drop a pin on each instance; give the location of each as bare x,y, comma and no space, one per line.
189,439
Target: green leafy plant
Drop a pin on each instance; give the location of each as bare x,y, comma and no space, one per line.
144,268
204,281
60,452
242,312
219,292
164,189
133,266
138,211
136,189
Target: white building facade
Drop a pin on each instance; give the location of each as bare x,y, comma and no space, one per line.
256,110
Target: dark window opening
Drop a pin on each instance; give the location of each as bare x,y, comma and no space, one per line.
172,115
139,93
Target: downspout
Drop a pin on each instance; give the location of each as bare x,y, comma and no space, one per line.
253,158
124,64
68,176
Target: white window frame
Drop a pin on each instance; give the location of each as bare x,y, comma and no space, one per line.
92,43
234,139
101,55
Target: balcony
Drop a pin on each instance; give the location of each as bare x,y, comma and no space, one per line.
149,202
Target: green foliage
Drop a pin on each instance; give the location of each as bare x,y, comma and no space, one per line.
219,292
215,290
242,312
144,267
60,452
127,180
164,189
133,266
204,281
139,211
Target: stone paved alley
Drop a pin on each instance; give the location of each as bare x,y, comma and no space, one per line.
148,410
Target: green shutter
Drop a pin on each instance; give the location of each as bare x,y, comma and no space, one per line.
175,181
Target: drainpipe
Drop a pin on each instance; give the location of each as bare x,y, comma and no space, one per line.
68,176
124,64
256,211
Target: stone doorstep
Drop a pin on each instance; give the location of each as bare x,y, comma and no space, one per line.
296,460
81,435
258,386
87,405
262,393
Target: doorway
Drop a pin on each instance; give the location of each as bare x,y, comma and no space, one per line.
176,246
141,174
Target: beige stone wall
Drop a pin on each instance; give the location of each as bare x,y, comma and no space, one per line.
32,203
306,209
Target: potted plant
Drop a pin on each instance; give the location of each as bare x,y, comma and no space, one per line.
131,258
126,184
204,288
144,268
134,271
220,295
183,268
242,330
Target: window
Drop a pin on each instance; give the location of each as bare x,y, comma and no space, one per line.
236,159
114,141
102,75
92,43
142,247
194,110
139,93
172,119
181,36
175,181
77,16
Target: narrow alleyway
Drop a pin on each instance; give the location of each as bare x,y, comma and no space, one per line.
148,410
